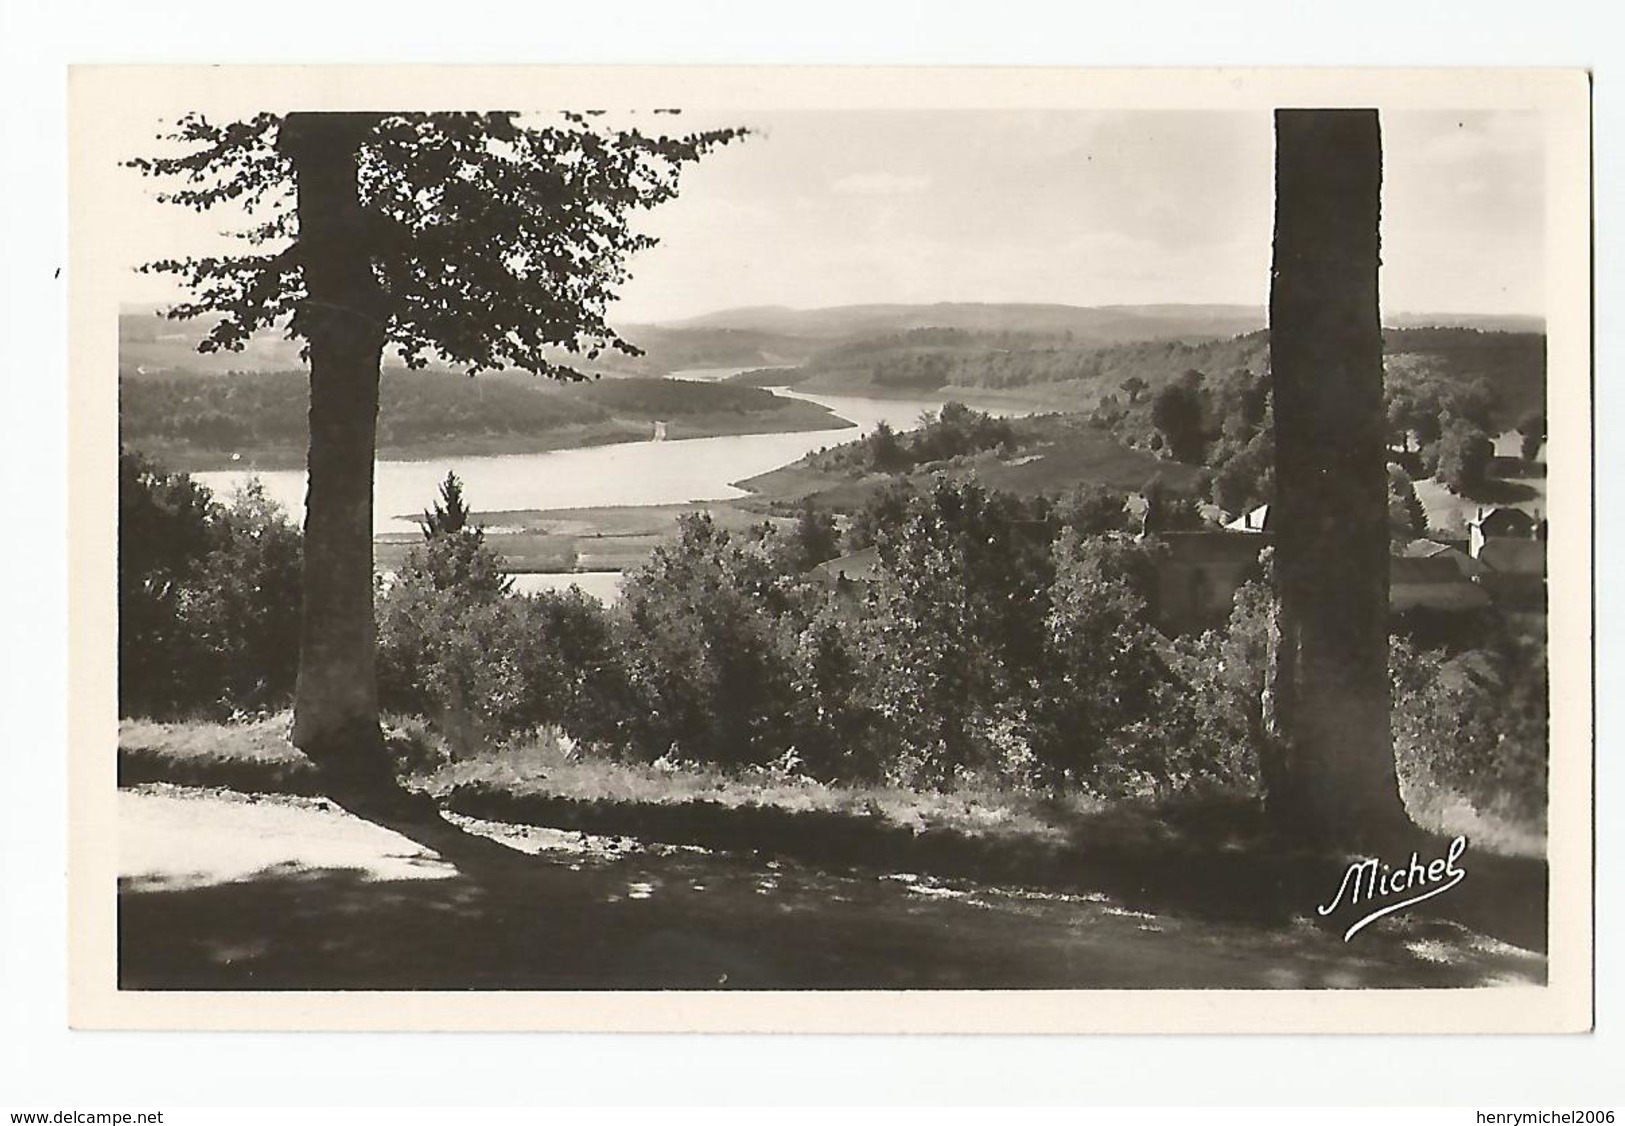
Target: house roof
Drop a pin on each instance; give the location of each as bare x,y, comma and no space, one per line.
1258,520
1503,522
1433,549
1426,549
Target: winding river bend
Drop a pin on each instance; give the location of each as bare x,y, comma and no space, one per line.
627,473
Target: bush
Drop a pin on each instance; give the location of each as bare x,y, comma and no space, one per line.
955,636
838,733
209,597
1474,725
486,665
708,627
1101,672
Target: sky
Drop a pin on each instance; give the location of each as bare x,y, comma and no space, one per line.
832,207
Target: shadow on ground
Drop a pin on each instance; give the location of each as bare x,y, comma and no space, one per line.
1216,860
686,918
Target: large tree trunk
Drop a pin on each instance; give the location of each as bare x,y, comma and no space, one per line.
1329,769
342,321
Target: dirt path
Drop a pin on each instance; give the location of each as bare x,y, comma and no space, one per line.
221,891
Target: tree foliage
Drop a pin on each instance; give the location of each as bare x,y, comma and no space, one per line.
956,629
1176,412
208,596
1464,455
1102,669
1407,519
709,625
496,242
456,644
1532,430
1168,510
469,237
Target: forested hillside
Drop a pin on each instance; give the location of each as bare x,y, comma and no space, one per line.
200,421
1084,376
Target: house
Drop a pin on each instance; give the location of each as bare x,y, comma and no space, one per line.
1469,567
1508,540
1432,582
1198,574
1511,544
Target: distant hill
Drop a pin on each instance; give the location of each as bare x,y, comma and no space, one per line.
151,344
1102,324
775,336
1480,322
1062,373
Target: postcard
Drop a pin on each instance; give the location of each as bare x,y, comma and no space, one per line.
831,549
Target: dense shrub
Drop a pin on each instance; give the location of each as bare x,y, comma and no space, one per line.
1101,670
1474,725
487,665
209,597
708,626
955,637
839,733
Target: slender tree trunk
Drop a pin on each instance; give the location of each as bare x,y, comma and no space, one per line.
1330,763
341,319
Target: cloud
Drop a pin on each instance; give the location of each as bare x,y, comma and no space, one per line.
880,183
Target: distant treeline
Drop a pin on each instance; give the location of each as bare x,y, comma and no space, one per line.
1512,364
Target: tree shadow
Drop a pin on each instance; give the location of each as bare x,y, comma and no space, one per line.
1214,859
1191,902
695,923
1223,860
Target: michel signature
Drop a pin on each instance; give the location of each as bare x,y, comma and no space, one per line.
1371,882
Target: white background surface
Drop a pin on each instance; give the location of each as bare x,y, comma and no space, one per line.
45,1066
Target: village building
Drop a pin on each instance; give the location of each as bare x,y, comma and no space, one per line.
1469,567
1432,583
1198,574
1511,544
1508,540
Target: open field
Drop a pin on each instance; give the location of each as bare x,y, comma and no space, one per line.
1055,453
604,538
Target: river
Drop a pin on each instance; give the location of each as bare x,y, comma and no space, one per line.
626,473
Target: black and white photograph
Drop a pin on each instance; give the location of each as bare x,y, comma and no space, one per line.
831,549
